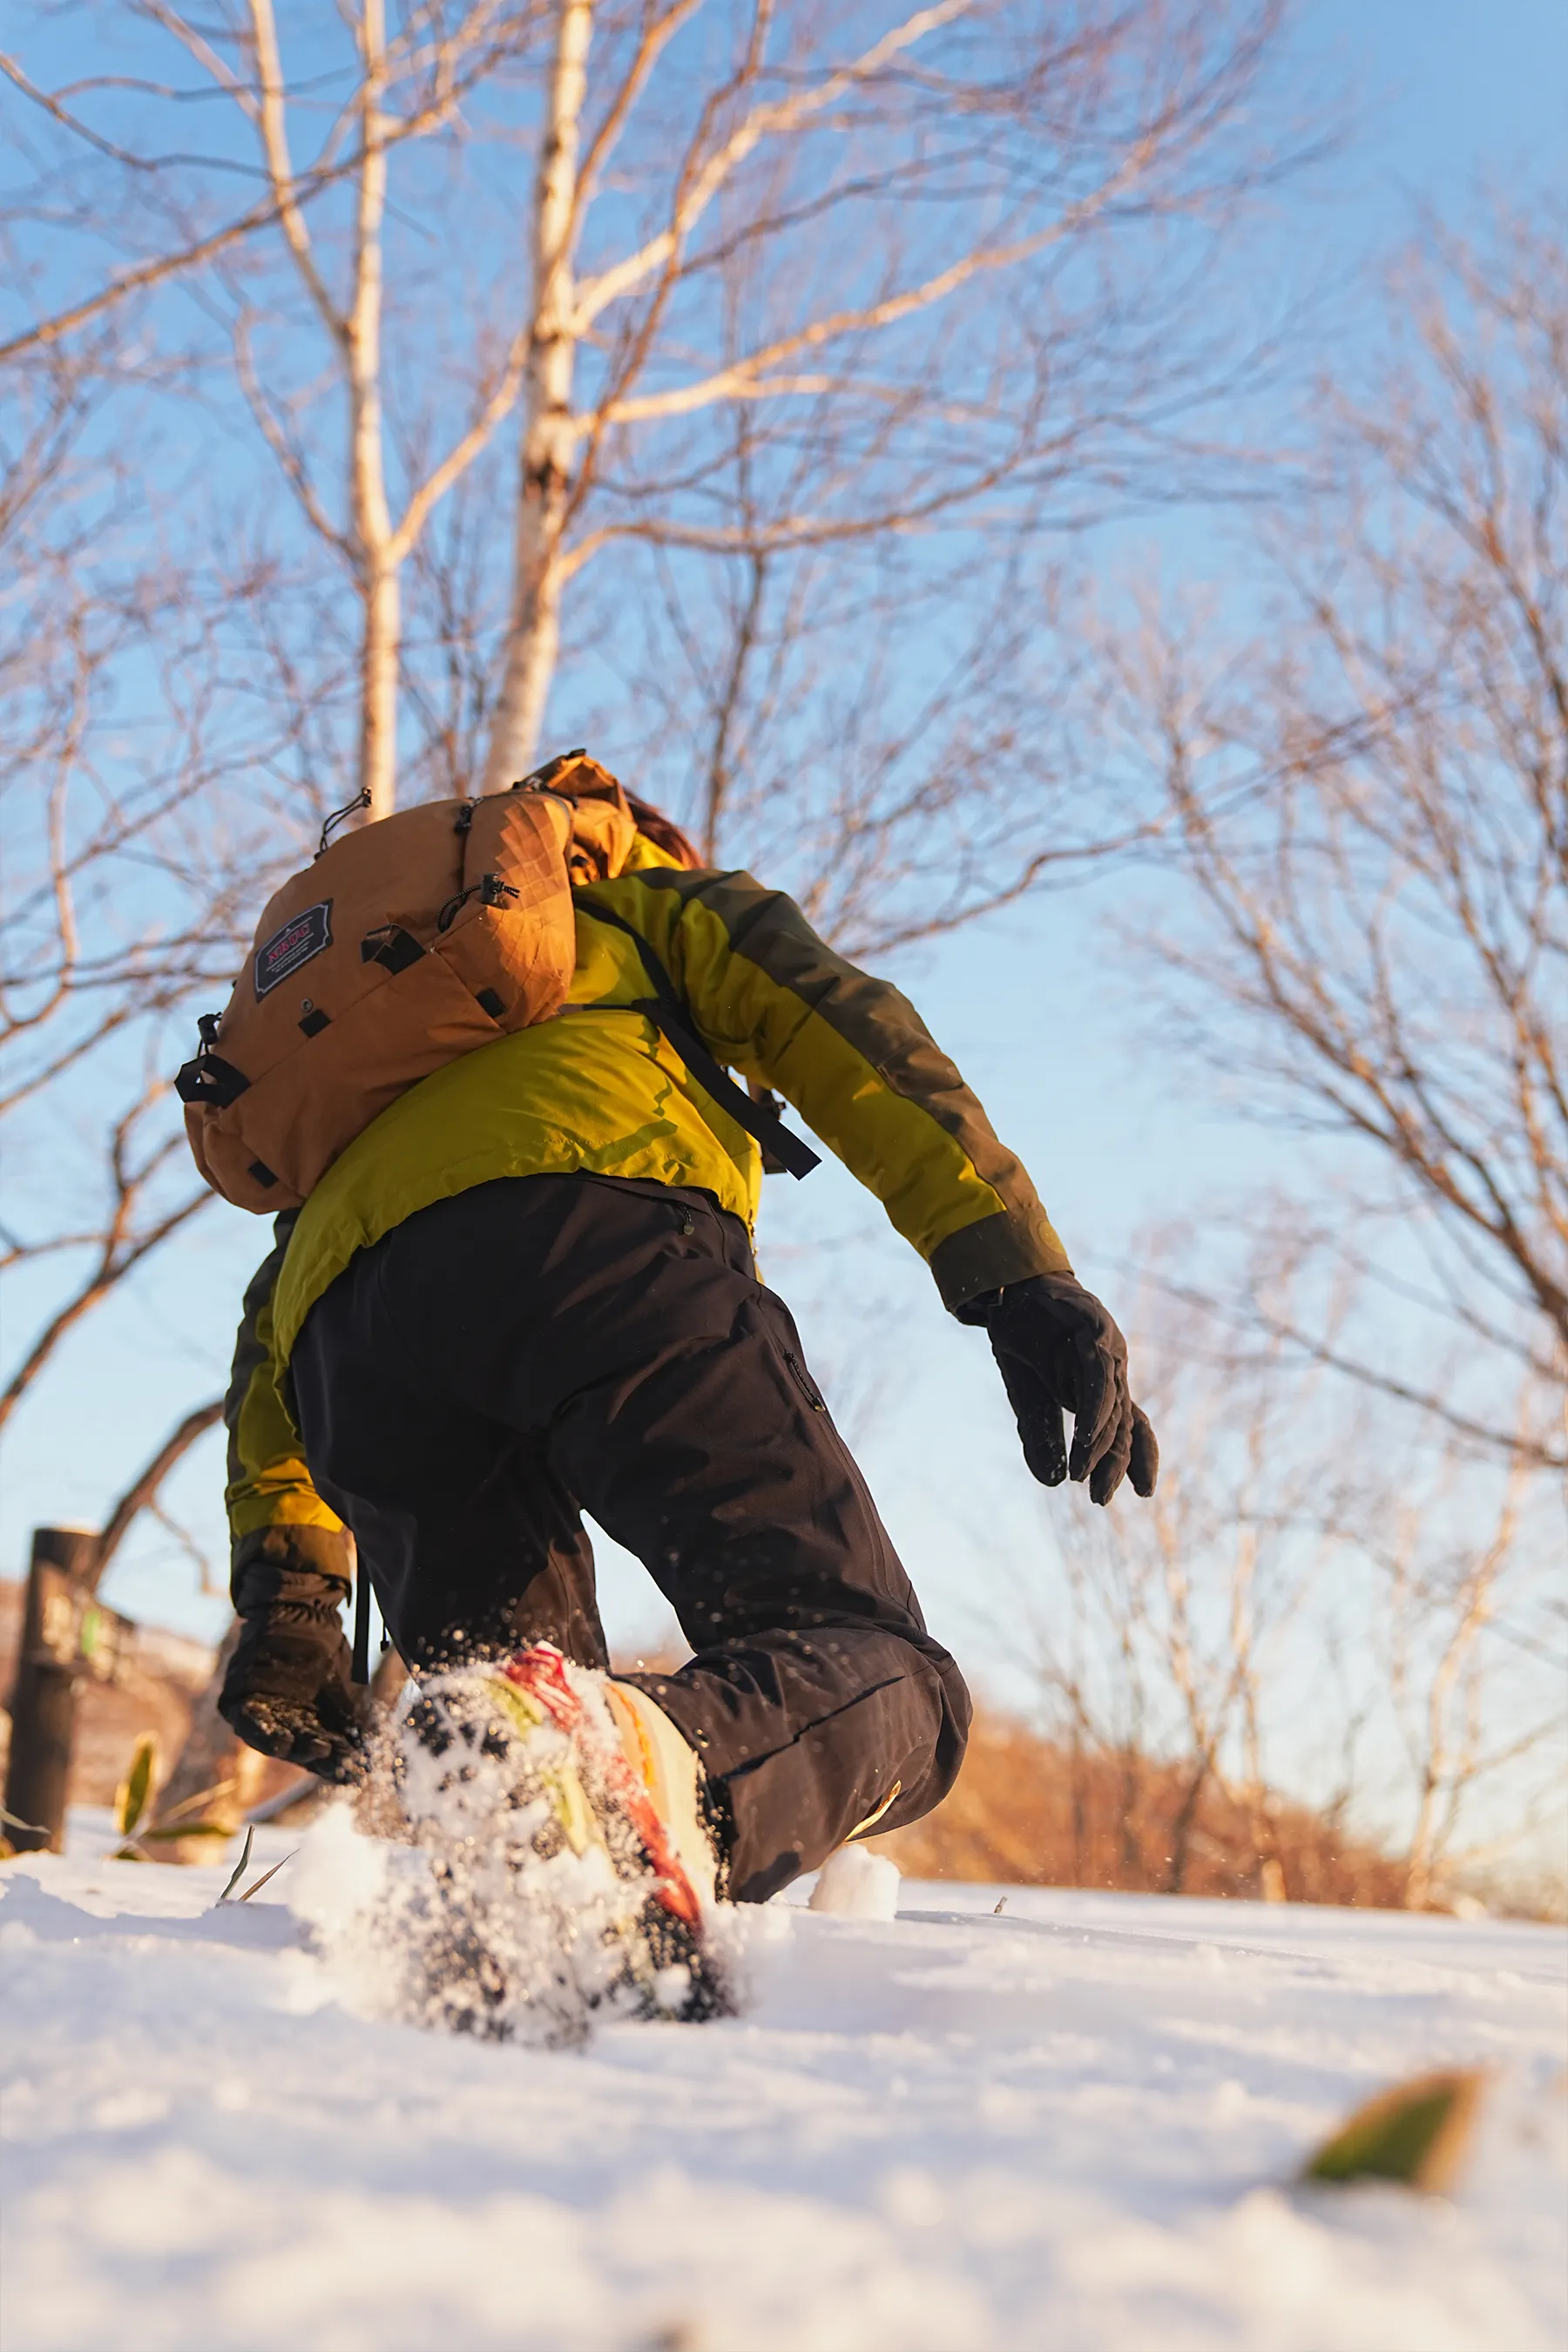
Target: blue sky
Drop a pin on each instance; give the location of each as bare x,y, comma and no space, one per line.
1451,95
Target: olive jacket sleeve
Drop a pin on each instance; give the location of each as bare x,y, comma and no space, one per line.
277,1520
851,1055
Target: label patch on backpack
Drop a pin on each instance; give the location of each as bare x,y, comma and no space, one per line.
301,937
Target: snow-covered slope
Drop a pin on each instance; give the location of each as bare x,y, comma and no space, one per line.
1070,2125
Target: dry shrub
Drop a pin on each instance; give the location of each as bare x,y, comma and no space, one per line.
1028,1812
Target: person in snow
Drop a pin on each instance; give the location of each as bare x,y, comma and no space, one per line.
527,1291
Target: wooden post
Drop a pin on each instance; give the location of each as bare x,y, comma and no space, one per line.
60,1579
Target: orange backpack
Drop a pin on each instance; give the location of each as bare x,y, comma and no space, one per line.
403,946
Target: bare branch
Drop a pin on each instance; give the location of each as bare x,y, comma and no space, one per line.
143,1492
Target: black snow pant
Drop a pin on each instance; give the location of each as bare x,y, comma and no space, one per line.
545,1345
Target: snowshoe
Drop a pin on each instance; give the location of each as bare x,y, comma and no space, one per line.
569,1879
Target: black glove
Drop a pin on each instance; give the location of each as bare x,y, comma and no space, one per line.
288,1690
1058,1351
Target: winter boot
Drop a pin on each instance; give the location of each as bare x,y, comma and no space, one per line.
563,1816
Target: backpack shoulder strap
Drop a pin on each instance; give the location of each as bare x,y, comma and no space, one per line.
669,1016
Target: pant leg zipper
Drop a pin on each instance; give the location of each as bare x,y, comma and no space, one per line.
813,1394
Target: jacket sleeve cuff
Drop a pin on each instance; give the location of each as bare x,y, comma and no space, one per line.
263,1561
995,1251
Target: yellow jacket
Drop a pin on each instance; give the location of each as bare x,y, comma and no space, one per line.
600,1089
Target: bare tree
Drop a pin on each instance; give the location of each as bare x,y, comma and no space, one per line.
126,883
68,618
152,784
1370,801
142,1493
807,284
1441,1602
410,80
899,801
792,286
1315,1609
171,259
167,685
1182,1628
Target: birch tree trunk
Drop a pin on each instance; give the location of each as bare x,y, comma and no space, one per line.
372,522
356,332
404,94
533,634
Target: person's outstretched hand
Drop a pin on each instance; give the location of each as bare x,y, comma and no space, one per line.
1059,1351
288,1690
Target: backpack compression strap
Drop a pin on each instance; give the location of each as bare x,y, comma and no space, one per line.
668,1016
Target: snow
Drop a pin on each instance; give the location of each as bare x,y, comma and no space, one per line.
855,1885
1072,2124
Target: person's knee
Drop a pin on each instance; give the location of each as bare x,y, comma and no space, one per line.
953,1711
